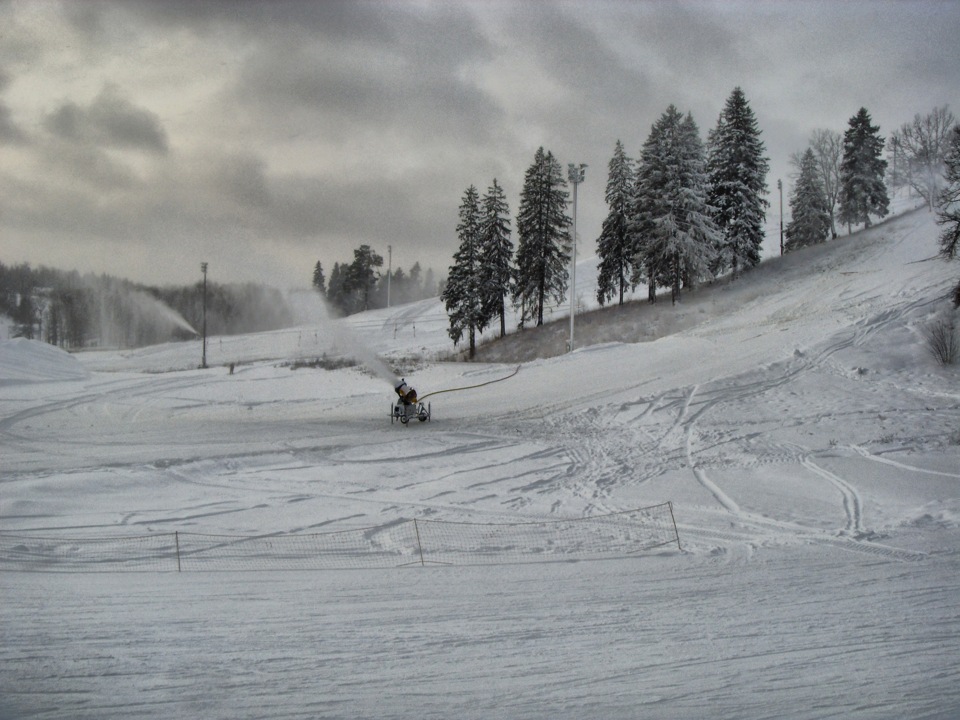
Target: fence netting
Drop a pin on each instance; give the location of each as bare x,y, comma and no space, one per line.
400,543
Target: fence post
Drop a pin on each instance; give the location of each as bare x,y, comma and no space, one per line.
416,529
675,531
176,537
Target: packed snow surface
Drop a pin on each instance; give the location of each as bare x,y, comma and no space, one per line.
807,439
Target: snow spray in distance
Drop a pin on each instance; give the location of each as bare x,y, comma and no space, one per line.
133,318
159,312
310,308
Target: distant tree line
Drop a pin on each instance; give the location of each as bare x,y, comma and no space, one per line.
360,285
74,311
685,211
844,178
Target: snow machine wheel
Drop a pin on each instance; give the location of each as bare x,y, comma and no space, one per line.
404,419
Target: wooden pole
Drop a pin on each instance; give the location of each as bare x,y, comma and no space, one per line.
670,505
416,529
176,536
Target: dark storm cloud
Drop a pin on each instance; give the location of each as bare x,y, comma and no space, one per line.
405,73
370,21
10,132
370,210
110,121
311,127
598,84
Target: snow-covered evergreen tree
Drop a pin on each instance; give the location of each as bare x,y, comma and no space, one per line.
319,283
496,249
361,278
737,172
948,213
543,237
414,288
615,247
810,223
462,297
336,291
863,191
671,215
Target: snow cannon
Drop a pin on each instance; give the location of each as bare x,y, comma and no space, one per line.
407,406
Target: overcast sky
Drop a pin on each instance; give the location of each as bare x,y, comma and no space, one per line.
142,137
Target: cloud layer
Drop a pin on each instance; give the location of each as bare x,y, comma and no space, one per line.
141,138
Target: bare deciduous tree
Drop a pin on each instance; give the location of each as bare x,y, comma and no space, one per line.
918,150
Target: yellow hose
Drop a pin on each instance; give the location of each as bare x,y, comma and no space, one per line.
471,387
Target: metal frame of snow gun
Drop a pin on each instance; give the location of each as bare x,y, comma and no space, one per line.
405,413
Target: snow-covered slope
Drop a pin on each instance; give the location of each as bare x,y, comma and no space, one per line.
807,439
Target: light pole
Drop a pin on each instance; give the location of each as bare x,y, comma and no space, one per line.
575,173
203,269
389,270
780,188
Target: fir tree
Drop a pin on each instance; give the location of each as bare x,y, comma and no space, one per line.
319,282
862,189
415,290
671,214
737,172
429,284
543,237
461,296
362,278
615,247
810,223
336,292
496,248
948,213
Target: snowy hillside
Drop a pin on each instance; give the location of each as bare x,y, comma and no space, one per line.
808,441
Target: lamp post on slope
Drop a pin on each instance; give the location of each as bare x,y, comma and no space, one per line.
780,188
203,269
389,270
575,173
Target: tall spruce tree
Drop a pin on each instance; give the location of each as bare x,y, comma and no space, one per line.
496,249
336,290
737,172
671,215
462,297
543,237
319,283
615,247
948,212
862,189
810,223
361,278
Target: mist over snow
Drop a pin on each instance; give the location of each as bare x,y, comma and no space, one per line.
795,418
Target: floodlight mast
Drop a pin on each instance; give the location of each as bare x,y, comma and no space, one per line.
780,188
203,360
575,173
